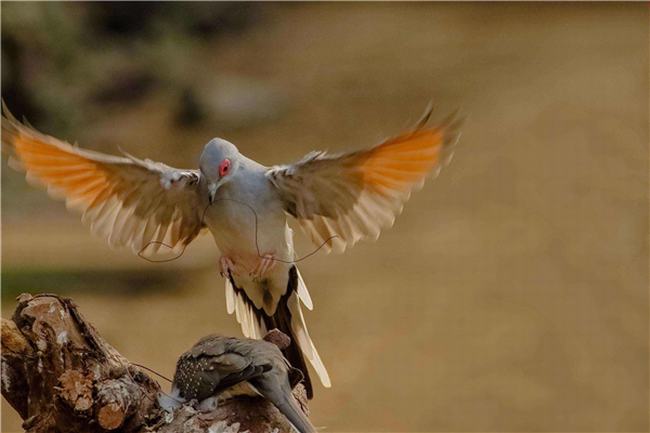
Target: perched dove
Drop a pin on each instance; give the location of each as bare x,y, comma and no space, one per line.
336,199
219,367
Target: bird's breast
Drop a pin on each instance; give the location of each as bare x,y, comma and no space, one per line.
245,232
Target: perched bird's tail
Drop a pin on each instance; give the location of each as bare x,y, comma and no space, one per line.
281,397
172,401
289,319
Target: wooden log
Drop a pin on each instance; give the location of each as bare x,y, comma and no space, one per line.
61,376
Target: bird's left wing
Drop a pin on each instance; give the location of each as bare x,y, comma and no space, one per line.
233,368
128,201
341,199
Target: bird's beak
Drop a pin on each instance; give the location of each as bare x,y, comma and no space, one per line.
212,190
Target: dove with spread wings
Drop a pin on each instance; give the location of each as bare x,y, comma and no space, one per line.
246,206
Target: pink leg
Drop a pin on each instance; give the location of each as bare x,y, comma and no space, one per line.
267,262
227,266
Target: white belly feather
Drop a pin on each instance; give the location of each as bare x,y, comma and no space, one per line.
233,225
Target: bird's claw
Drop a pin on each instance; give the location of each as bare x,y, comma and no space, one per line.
267,262
206,407
227,267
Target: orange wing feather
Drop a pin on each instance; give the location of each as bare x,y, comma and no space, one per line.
58,168
402,160
122,197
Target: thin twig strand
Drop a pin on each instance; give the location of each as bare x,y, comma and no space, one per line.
257,246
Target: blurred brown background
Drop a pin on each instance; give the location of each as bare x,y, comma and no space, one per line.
511,295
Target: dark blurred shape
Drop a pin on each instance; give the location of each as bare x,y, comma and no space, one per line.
138,19
125,86
63,61
189,111
215,18
128,19
15,90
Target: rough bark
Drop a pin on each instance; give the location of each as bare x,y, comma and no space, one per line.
61,376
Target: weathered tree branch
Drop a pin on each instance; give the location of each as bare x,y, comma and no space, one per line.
61,376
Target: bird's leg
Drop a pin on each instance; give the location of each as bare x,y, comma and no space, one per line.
227,267
267,261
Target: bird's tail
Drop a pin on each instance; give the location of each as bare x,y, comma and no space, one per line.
172,401
287,404
289,319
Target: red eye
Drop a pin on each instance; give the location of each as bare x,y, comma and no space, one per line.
224,167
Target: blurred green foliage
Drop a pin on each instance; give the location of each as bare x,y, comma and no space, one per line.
99,281
63,61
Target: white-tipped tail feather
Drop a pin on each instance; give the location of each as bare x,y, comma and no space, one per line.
303,293
305,343
251,325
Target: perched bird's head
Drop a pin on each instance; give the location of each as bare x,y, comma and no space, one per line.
219,161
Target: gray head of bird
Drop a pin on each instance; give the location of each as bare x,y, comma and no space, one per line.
219,161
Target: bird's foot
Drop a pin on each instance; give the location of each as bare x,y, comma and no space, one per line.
267,262
207,406
227,267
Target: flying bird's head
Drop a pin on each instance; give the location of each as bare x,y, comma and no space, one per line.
219,161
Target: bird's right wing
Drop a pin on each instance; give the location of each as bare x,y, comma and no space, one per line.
128,201
341,199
